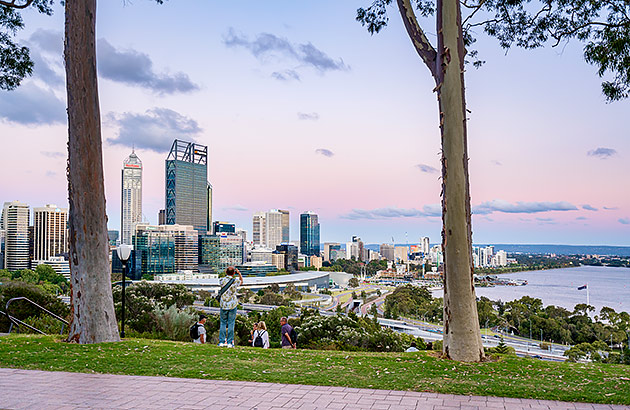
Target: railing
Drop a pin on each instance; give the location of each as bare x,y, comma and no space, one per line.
18,323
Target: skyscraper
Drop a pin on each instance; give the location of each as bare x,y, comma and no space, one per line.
309,234
15,218
258,229
188,192
273,228
131,197
50,232
424,245
285,225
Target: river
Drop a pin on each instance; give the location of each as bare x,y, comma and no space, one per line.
606,287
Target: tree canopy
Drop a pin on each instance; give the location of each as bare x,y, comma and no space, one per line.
602,25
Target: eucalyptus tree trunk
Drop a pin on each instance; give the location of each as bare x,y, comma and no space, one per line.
93,318
462,335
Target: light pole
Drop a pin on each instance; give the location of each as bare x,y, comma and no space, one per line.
124,252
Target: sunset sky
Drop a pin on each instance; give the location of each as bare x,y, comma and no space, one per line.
303,110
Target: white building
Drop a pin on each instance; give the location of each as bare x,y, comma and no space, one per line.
50,232
14,221
259,235
273,228
131,197
352,250
401,253
259,254
425,246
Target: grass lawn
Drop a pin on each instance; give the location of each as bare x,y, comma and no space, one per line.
508,376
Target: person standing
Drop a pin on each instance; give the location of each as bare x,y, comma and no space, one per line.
201,330
260,336
285,332
228,303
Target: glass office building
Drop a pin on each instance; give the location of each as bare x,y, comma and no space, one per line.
188,192
309,234
217,252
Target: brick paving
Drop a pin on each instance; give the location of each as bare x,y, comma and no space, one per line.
34,389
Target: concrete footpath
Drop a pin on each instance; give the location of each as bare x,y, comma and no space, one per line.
34,389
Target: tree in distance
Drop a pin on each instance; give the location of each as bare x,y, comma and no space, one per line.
604,25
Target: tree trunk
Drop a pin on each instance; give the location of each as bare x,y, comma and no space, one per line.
93,318
462,336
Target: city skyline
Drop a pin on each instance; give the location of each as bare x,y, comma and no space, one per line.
296,128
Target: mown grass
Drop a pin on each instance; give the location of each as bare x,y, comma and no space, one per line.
507,376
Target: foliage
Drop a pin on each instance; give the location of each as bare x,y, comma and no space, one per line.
143,297
350,333
46,324
174,323
271,296
291,292
353,282
414,302
21,309
501,348
272,320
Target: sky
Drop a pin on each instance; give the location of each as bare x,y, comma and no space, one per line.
302,109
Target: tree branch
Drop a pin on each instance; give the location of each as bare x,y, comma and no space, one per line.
418,38
15,5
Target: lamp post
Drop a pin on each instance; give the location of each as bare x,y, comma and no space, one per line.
123,251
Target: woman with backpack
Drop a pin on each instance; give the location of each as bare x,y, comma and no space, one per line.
260,336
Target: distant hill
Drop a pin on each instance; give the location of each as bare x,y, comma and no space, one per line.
546,249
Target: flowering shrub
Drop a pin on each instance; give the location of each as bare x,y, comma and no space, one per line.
350,333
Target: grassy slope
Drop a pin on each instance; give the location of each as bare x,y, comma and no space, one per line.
509,376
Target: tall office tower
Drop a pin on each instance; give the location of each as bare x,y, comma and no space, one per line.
15,218
209,192
424,245
187,186
162,217
242,233
131,197
223,227
273,228
51,232
309,234
290,253
258,229
285,226
113,236
352,250
387,251
31,245
217,252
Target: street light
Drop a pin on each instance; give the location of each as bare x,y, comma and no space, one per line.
124,252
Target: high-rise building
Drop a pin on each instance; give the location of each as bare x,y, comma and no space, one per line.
188,192
217,252
329,247
387,251
401,253
285,226
273,228
131,197
352,250
425,247
50,237
290,253
242,233
223,227
309,234
112,236
15,219
258,229
161,249
162,217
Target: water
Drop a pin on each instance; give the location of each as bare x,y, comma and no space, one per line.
607,287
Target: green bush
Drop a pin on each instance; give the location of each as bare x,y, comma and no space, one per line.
174,323
143,297
22,309
46,324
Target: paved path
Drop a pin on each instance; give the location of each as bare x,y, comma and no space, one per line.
33,389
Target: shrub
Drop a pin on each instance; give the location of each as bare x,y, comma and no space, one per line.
21,309
46,324
174,323
143,297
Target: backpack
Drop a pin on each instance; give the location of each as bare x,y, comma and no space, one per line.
293,335
194,331
258,342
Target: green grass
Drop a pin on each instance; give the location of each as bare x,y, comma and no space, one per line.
508,376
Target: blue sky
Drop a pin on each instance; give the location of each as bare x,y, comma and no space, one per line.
303,110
